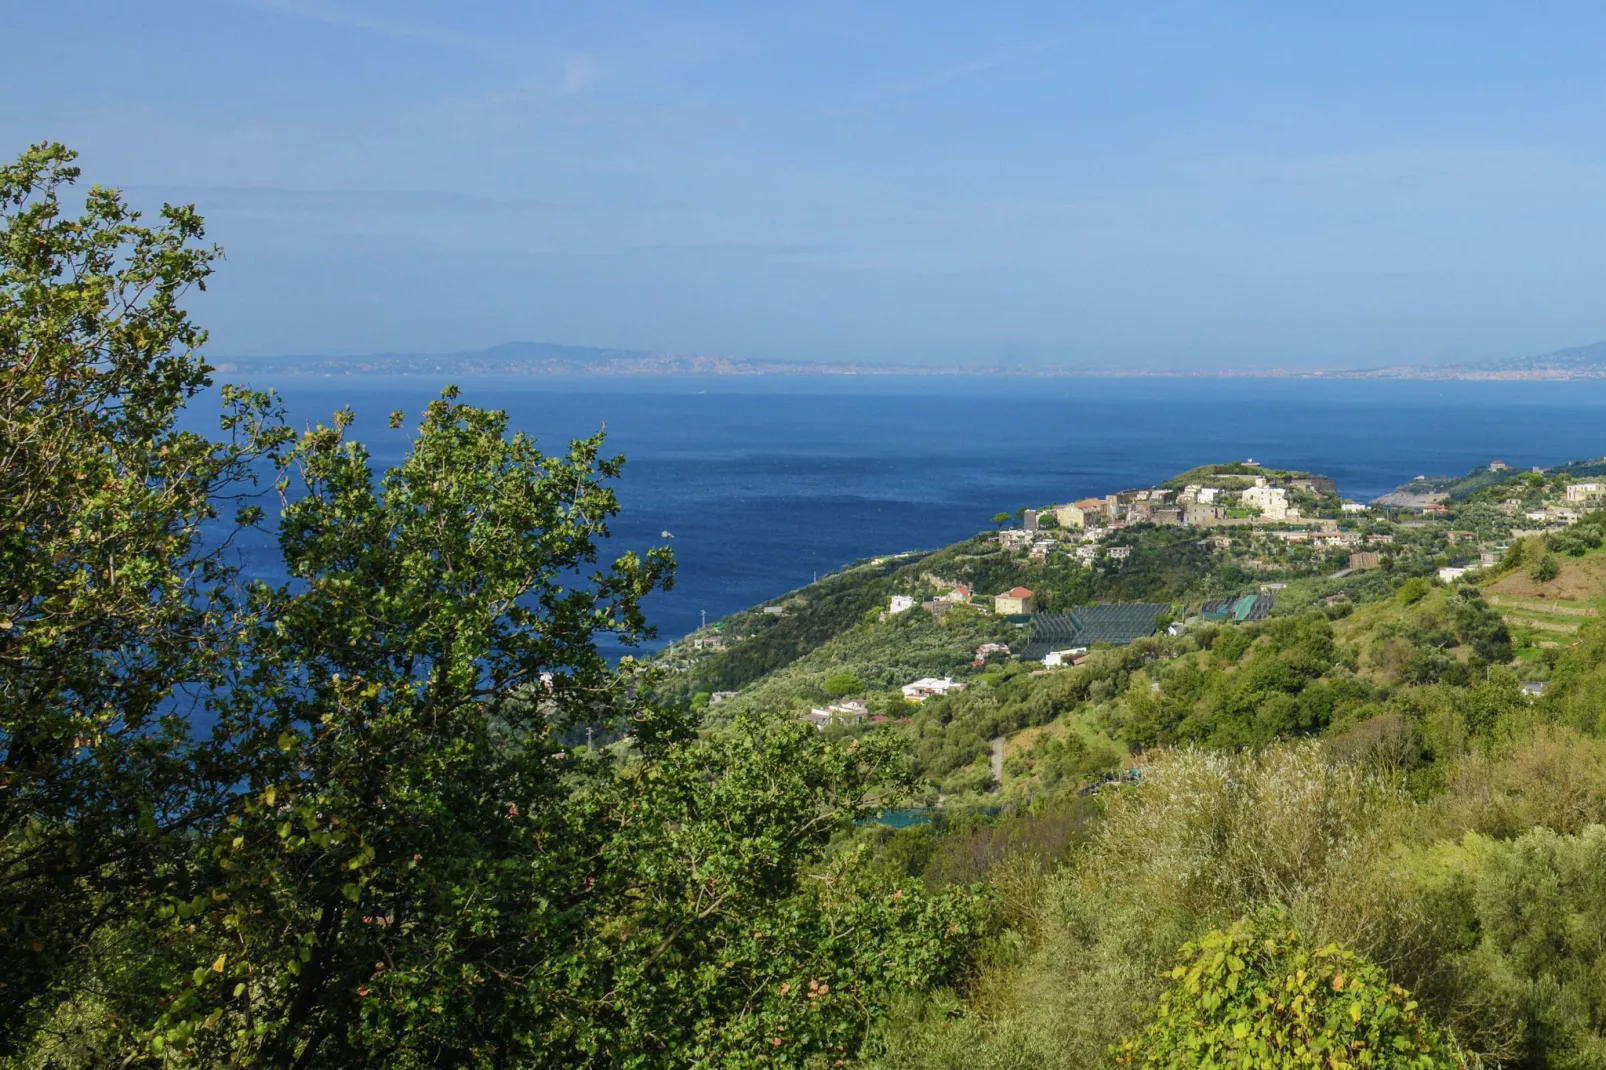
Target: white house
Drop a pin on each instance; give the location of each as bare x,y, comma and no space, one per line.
1119,553
927,686
1583,492
1271,501
901,603
855,709
1063,657
1451,573
1353,507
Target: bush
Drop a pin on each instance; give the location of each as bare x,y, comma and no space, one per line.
1413,591
1255,995
1546,569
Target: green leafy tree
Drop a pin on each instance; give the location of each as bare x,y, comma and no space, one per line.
1256,995
401,710
842,683
383,854
1545,569
1413,591
1000,519
112,607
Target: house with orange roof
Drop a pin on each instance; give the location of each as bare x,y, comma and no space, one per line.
1016,602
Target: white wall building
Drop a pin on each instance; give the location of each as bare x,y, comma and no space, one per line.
1271,501
901,603
927,686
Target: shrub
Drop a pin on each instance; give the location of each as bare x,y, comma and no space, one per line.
1255,995
1412,591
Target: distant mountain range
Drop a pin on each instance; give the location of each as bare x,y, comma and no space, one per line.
537,358
1580,362
541,358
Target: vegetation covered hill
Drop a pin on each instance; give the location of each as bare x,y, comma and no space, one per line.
1372,766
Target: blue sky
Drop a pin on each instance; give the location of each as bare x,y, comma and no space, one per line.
1153,184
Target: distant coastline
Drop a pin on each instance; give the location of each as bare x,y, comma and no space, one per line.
540,359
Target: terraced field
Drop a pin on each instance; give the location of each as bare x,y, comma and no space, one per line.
1550,614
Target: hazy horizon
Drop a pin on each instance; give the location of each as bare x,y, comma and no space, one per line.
1153,186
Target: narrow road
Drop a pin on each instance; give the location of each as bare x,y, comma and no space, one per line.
998,763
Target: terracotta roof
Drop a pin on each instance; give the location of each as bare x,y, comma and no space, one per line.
1019,592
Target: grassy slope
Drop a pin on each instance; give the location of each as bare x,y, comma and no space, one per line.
1551,613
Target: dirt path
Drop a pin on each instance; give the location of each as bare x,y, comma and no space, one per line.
998,763
1542,607
1543,625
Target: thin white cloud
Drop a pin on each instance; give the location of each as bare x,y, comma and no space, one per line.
334,16
968,69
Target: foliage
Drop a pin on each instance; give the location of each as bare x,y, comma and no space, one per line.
843,683
1256,995
383,854
112,607
1413,591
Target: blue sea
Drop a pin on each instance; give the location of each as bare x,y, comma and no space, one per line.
765,482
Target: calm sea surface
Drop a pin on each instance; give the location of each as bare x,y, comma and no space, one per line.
765,481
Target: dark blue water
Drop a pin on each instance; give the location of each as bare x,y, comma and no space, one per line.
766,481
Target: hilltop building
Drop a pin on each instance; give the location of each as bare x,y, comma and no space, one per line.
1014,538
1271,501
1016,602
1073,516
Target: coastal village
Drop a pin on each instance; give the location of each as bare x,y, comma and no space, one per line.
1265,528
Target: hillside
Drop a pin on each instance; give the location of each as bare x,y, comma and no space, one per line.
1382,762
1583,361
1337,645
1576,362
